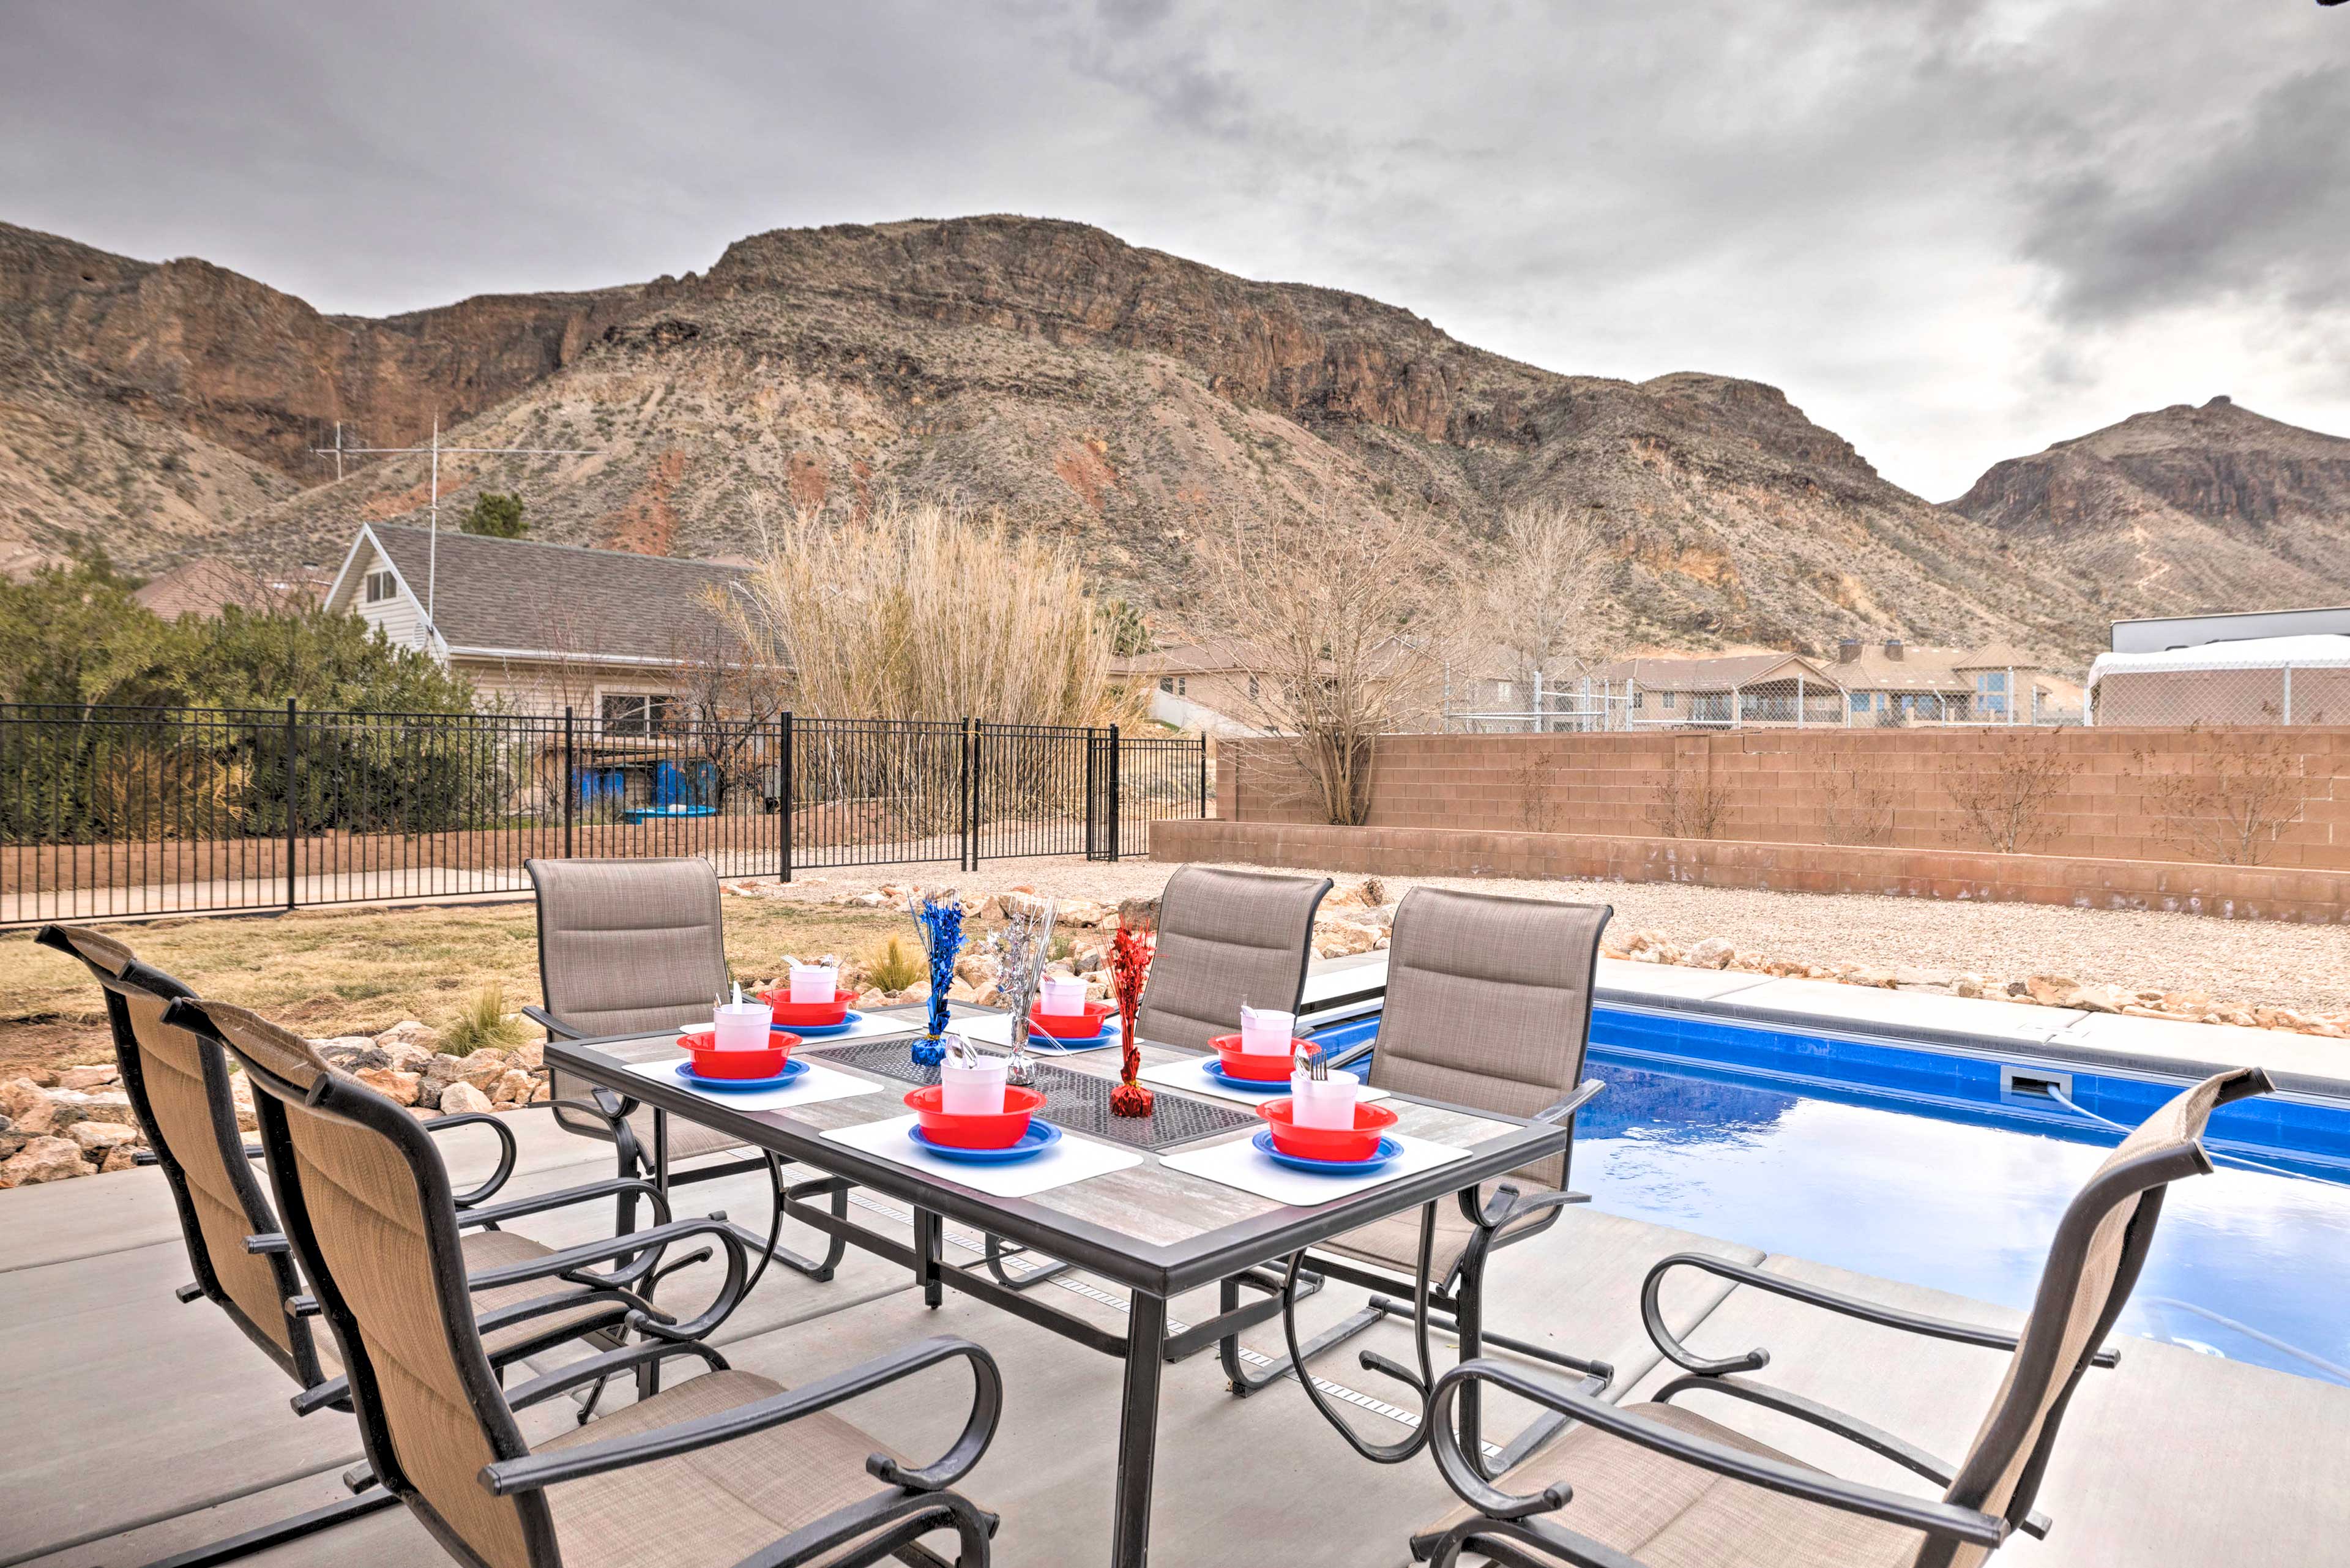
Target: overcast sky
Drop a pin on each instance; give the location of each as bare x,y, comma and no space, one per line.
1951,230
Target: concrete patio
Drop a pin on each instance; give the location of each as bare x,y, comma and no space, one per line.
141,1427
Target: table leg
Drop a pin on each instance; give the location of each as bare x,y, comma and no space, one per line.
1138,1429
660,1150
929,1246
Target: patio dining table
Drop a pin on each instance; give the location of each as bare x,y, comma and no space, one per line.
1157,1230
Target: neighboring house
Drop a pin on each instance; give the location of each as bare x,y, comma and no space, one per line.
1729,691
1893,682
208,585
607,633
1210,687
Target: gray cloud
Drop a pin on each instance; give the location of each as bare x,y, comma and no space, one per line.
1952,230
2263,210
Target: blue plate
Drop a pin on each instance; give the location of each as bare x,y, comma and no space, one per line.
1063,1044
1387,1151
792,1074
1214,1068
821,1031
1041,1136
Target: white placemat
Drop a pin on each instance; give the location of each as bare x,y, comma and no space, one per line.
865,1028
996,1029
1072,1159
1240,1164
817,1084
1190,1075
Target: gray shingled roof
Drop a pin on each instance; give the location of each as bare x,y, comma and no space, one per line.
499,592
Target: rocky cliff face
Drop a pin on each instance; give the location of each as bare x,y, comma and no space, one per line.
1120,397
2184,509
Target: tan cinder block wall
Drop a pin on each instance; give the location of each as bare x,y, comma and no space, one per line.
2220,892
1782,785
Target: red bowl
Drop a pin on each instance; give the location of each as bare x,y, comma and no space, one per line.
1070,1025
1328,1143
709,1062
1239,1063
958,1129
808,1014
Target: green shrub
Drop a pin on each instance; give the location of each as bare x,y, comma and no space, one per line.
483,1023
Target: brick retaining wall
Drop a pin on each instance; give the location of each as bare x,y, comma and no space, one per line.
2225,892
1801,786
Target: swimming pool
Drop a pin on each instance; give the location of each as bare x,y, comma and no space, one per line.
1931,1167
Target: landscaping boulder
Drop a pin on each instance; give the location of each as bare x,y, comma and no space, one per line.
401,1088
354,1059
530,1055
460,1097
43,1159
1712,953
2050,990
123,1159
10,1140
91,1078
407,1033
96,1137
513,1088
1343,939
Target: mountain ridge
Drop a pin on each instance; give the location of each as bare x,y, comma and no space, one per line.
1119,397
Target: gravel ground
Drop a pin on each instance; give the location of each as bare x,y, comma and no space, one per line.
2240,963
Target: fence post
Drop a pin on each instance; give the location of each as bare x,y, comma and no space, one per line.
784,793
2288,693
1203,774
1114,802
1093,796
292,800
966,803
570,784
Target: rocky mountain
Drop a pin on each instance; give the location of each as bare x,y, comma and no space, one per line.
1120,397
2184,509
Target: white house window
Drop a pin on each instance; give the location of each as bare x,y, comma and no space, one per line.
1669,698
1182,686
1167,684
632,713
380,587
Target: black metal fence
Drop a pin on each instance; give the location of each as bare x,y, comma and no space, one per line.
119,812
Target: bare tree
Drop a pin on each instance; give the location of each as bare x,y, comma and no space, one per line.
2233,812
1537,593
726,700
1858,802
2007,790
1690,803
1335,609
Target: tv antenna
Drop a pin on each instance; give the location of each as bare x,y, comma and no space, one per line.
432,550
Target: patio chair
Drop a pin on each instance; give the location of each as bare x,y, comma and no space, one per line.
725,1468
1225,939
1686,1492
630,946
1488,1007
178,1085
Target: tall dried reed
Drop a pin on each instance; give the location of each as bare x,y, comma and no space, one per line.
922,610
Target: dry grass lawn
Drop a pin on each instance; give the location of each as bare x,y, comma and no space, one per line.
356,972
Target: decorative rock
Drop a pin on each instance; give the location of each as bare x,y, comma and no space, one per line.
1969,985
401,1088
89,1077
530,1056
356,1059
406,1031
513,1088
460,1097
541,1089
97,1138
1713,953
10,1140
2048,989
43,1159
123,1159
21,1098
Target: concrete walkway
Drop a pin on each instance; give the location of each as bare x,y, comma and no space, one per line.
139,1427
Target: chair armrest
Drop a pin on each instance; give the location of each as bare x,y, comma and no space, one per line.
1652,1315
517,1208
1559,1111
555,1029
506,1153
646,1319
523,1396
1916,1460
1947,1521
532,1472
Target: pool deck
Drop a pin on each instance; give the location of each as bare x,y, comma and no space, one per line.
139,1427
2014,1030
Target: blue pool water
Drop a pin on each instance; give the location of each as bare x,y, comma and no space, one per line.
1908,1163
